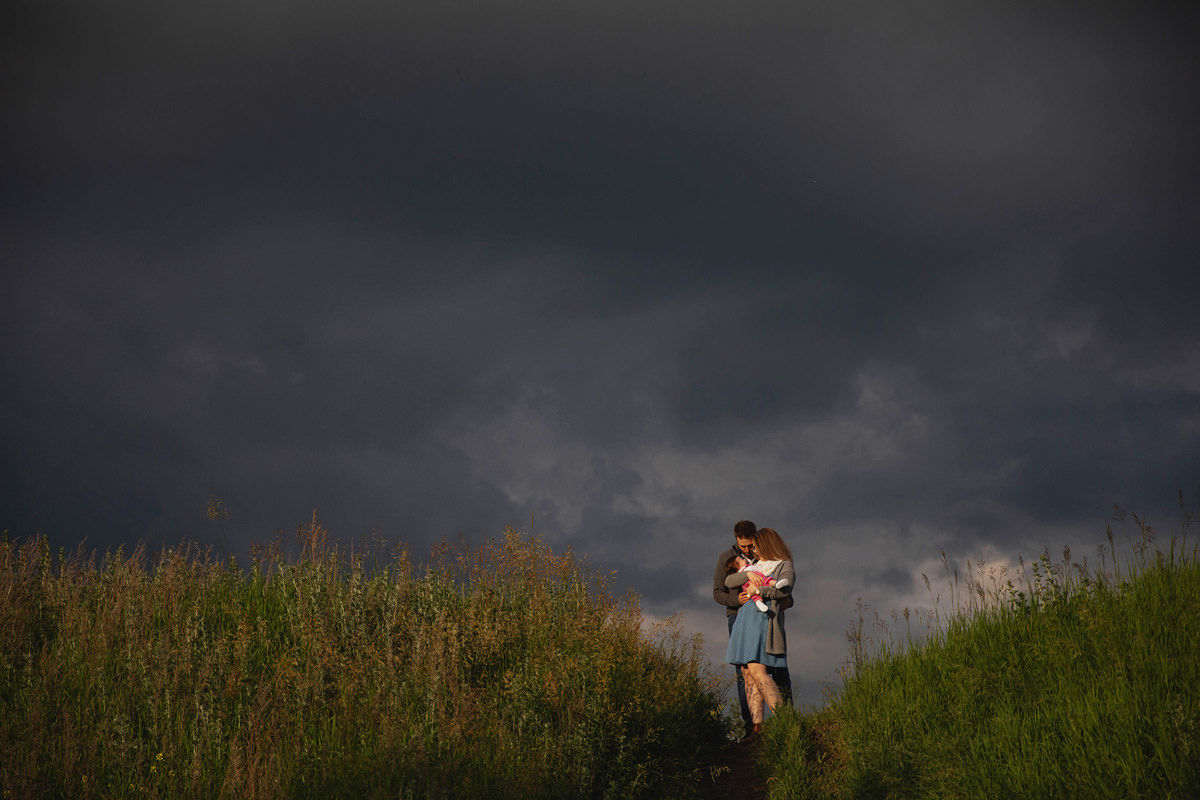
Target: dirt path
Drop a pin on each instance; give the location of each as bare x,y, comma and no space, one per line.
738,779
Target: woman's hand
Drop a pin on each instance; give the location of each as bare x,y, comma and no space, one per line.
755,579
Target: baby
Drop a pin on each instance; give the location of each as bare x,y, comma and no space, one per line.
764,568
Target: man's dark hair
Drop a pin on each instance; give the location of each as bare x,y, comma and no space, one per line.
745,529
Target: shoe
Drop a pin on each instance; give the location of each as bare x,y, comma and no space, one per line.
752,734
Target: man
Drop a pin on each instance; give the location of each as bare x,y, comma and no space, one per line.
732,599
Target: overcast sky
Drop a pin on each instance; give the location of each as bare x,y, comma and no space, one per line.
887,277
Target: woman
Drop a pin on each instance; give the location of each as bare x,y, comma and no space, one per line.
757,639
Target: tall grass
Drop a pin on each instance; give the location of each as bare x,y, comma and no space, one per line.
1073,682
500,671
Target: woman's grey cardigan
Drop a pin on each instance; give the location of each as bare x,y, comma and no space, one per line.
776,640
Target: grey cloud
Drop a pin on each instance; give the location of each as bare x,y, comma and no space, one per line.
540,126
896,579
1134,272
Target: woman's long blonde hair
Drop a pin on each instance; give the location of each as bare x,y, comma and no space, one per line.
768,546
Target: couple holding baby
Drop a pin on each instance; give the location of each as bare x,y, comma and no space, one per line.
754,580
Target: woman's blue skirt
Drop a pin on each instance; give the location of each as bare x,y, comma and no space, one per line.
748,639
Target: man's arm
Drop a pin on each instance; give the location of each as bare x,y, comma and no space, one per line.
721,593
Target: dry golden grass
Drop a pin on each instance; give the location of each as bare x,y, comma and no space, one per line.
504,670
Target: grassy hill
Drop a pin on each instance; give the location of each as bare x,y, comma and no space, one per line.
508,671
1072,683
504,671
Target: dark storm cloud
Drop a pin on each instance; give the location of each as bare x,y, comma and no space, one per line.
889,279
1134,272
752,137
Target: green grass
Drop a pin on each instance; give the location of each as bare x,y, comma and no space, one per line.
1072,683
504,671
